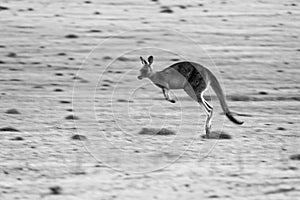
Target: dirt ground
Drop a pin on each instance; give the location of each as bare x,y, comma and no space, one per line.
72,107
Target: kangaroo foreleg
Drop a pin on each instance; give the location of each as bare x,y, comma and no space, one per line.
167,95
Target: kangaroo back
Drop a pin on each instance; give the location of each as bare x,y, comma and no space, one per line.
220,94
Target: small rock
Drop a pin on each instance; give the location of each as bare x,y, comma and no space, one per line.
12,111
125,101
281,129
2,62
64,101
10,129
72,117
15,79
213,196
76,78
38,86
3,8
79,173
59,74
78,137
30,9
263,93
293,168
106,58
99,165
152,131
97,13
18,138
58,90
122,58
12,55
55,190
70,36
95,31
280,190
166,10
108,81
61,54
36,63
15,69
295,157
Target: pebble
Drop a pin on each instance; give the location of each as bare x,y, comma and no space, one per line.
78,137
12,111
11,129
72,117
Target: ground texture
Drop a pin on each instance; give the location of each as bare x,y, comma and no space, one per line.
74,114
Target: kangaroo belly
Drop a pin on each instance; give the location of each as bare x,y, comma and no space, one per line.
176,81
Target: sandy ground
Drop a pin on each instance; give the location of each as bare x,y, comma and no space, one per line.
70,67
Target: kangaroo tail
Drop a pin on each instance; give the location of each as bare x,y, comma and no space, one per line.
220,94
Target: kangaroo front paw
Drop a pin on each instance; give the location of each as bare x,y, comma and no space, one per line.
172,101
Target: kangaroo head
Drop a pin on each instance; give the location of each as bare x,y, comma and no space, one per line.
146,70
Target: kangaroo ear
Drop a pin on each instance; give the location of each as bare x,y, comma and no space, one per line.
150,60
143,61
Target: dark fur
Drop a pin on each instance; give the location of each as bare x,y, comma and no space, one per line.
192,75
233,119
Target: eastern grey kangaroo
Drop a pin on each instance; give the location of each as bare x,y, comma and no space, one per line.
194,79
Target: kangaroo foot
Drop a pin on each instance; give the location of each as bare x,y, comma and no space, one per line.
207,132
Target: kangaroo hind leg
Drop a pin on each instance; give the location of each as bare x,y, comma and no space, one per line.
209,111
207,107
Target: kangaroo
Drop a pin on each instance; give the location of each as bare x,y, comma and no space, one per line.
194,79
